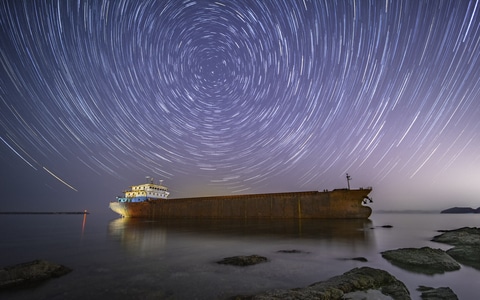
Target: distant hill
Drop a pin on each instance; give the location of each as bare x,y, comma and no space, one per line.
461,210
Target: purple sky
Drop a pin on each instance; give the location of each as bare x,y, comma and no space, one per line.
225,97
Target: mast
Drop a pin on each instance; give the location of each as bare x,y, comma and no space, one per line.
149,179
348,181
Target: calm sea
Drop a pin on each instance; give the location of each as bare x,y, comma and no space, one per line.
118,259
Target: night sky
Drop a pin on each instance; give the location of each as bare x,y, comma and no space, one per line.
234,97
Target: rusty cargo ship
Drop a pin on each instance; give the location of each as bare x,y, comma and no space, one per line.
150,201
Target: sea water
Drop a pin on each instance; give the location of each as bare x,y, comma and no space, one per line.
114,258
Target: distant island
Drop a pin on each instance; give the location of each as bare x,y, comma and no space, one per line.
461,210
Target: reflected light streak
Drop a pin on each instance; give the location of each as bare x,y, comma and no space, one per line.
84,221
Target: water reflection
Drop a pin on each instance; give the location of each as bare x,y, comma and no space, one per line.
140,234
84,222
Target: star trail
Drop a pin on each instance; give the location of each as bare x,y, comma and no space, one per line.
226,97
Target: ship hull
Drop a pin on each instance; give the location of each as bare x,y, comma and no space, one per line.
336,204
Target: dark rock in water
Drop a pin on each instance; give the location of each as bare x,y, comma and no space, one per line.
30,272
362,259
422,260
437,293
243,260
467,245
459,210
462,236
387,226
291,251
467,255
359,279
470,253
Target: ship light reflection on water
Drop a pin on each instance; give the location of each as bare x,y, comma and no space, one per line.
138,236
84,221
147,237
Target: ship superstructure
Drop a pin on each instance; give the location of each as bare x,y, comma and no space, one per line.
145,192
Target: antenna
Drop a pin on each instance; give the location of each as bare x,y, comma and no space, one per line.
348,180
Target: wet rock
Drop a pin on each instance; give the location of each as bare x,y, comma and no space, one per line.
462,236
467,245
467,255
387,226
364,295
243,260
422,260
24,274
341,287
437,293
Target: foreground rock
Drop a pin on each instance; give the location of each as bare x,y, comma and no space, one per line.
31,272
437,293
243,261
359,279
462,236
422,260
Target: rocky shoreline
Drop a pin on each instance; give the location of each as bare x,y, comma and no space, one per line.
363,279
370,283
358,283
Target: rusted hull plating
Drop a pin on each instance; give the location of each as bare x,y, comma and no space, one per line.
336,204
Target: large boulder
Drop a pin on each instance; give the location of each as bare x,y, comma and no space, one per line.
422,260
462,236
30,272
366,279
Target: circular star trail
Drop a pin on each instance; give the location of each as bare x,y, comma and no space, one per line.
236,97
